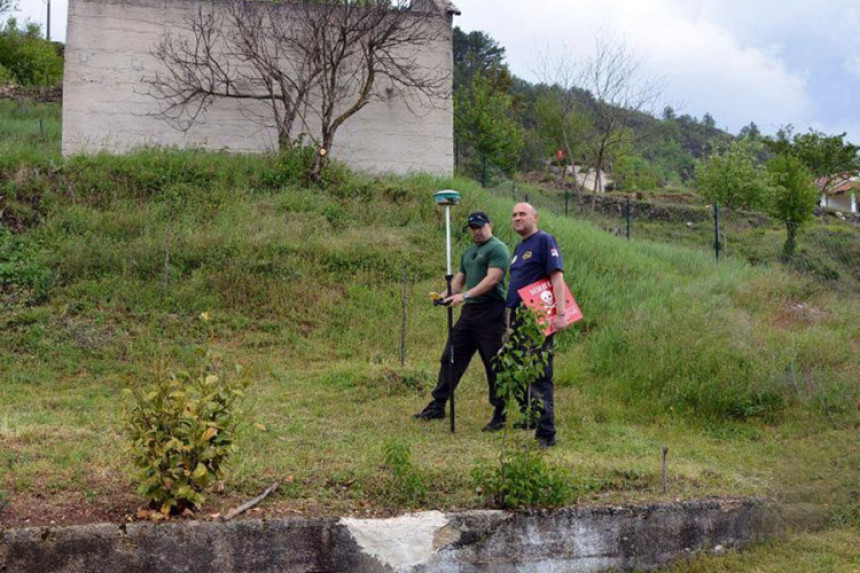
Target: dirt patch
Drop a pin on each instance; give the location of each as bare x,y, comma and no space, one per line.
793,314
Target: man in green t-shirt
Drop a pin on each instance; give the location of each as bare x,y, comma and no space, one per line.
481,325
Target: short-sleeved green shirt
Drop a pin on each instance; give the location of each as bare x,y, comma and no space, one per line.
475,262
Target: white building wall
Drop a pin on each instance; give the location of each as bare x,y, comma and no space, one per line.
106,106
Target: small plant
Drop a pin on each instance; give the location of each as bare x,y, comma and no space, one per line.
522,479
404,483
522,360
182,430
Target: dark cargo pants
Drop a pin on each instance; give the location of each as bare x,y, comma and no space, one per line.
480,328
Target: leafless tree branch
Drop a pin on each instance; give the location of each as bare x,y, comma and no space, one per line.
313,63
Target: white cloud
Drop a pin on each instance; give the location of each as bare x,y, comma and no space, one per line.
706,66
769,61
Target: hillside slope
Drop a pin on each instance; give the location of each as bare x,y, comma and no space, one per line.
113,260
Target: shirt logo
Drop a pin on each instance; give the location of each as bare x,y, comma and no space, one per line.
514,259
527,255
554,252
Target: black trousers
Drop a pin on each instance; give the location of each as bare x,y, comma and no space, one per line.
480,328
542,389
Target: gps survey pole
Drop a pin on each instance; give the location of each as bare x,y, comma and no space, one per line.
447,198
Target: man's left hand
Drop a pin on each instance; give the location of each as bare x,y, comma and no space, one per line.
558,322
454,300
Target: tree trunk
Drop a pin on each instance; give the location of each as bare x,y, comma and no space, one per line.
597,169
790,245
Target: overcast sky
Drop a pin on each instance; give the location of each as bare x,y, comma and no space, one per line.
774,62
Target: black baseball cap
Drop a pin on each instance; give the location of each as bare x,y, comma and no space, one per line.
478,219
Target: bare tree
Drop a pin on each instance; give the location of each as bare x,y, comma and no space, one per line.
8,6
614,77
561,109
303,66
588,108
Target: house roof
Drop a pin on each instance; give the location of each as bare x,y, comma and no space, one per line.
838,183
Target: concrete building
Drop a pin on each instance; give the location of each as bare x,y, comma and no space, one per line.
107,105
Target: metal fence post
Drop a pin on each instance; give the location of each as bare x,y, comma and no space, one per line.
403,296
717,245
628,217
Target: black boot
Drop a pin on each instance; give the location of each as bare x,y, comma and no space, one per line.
496,423
433,411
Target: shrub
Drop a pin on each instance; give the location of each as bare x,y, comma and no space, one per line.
522,480
182,430
31,59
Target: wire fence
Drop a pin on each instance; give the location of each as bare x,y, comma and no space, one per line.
828,247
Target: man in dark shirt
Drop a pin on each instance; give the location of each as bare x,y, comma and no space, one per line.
482,322
537,257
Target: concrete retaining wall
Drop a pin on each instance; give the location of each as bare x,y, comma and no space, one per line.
579,539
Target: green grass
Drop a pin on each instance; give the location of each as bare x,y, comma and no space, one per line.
29,132
831,551
747,373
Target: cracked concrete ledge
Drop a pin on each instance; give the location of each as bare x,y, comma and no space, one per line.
572,539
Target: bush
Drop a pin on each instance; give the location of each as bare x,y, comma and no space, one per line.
523,480
33,60
182,431
6,76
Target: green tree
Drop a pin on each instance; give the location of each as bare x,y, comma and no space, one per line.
750,131
631,171
734,178
483,120
794,196
31,59
826,156
475,53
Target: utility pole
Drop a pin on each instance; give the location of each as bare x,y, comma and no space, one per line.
48,27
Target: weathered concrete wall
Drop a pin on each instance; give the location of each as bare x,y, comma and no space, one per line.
106,105
623,538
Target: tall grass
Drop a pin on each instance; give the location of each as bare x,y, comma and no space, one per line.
666,329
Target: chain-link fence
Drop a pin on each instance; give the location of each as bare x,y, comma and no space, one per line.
828,247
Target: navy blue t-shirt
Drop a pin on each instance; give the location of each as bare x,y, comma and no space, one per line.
534,259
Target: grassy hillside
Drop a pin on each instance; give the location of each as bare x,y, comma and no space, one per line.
748,375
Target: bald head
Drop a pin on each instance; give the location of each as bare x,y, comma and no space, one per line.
524,218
